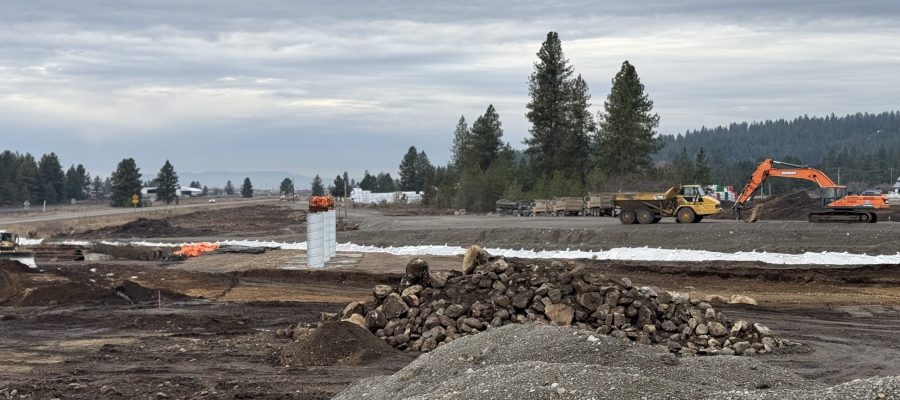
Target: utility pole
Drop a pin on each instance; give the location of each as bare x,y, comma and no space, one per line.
839,175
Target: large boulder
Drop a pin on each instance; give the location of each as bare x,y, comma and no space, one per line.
393,306
474,257
559,314
382,291
416,272
357,319
356,307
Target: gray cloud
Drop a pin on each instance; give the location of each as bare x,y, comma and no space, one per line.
313,87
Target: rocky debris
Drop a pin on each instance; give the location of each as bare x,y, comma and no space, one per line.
334,343
342,225
537,361
741,299
424,313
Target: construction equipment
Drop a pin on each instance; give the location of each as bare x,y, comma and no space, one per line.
513,208
11,250
542,207
688,204
599,204
565,206
840,205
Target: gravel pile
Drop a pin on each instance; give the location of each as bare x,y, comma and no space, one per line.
431,309
538,361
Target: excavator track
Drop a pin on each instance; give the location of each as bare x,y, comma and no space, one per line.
844,216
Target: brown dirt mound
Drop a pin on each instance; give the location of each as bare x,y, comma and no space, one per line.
146,227
795,206
337,343
69,293
20,287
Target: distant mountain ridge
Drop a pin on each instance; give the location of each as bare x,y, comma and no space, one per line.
259,179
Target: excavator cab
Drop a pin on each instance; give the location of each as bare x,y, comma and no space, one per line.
830,194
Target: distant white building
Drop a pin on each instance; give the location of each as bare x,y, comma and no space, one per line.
182,192
897,187
359,196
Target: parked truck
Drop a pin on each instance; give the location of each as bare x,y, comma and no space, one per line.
513,208
542,207
688,204
566,206
599,204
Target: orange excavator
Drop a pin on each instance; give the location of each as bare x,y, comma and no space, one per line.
840,206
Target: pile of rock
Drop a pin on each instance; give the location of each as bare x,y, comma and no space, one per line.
432,308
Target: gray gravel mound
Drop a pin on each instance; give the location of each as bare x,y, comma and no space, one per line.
535,361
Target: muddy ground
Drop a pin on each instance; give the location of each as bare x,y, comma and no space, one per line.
269,219
205,327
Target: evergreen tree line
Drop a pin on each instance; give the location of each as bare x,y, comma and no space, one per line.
863,148
22,178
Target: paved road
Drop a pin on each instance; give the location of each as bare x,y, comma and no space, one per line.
40,217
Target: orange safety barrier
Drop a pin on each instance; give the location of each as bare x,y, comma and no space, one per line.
196,249
320,203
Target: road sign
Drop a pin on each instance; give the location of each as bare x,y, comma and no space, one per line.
135,199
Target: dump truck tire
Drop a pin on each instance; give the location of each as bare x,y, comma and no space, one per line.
645,216
686,215
627,217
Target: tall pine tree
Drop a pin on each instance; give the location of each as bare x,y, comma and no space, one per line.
461,140
627,135
287,187
423,169
548,87
247,188
126,182
577,146
167,183
408,170
52,179
318,188
229,188
368,182
485,143
702,173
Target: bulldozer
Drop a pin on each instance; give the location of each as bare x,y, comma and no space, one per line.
839,204
11,250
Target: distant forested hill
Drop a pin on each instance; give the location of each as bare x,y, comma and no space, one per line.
864,146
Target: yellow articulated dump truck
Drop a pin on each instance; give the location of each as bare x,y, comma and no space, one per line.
688,204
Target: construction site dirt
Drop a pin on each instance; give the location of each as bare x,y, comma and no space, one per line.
208,327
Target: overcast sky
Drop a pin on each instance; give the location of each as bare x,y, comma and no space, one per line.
310,87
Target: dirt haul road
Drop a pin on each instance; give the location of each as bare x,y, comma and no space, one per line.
599,233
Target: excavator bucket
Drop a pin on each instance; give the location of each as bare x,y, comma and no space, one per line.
754,215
